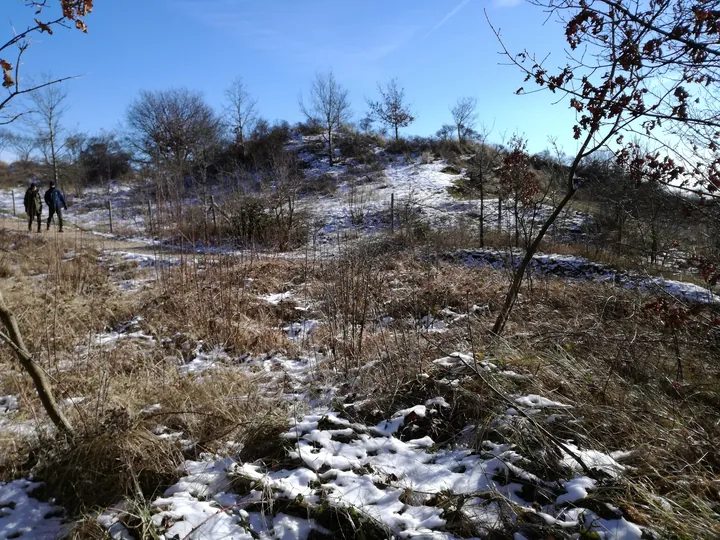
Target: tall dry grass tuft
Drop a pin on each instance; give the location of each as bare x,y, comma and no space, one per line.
99,468
218,304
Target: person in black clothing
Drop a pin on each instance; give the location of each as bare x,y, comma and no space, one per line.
56,204
33,205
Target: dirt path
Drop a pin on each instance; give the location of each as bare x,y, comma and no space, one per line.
76,237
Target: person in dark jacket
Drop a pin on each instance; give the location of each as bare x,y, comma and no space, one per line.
56,204
33,205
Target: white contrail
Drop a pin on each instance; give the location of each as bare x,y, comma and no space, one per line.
449,16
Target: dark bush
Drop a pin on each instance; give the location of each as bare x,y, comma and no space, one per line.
257,220
325,184
359,147
402,147
266,142
309,128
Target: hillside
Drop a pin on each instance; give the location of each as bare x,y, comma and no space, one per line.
342,381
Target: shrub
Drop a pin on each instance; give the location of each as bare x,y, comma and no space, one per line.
261,220
309,128
451,169
325,184
267,142
99,468
401,146
359,147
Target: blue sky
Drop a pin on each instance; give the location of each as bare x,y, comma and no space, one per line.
438,49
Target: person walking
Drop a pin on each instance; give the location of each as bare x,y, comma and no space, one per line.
56,204
33,206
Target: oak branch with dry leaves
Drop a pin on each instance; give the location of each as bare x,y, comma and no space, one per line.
640,68
45,15
46,18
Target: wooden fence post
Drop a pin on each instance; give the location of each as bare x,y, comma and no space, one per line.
13,198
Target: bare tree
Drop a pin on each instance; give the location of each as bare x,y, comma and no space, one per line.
445,133
464,115
483,164
240,110
48,108
74,146
366,124
391,108
23,146
328,106
640,67
171,127
5,138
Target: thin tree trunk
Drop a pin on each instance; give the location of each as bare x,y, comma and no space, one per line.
499,227
502,318
56,176
44,390
517,229
653,246
330,145
482,213
397,136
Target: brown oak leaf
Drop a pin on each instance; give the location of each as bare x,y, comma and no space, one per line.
44,27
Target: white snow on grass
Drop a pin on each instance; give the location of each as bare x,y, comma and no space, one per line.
301,331
596,460
204,361
277,298
8,403
201,506
145,260
579,268
361,201
606,529
22,516
9,424
534,401
369,470
112,339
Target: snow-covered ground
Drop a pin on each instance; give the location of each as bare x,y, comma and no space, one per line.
23,516
579,268
422,192
392,474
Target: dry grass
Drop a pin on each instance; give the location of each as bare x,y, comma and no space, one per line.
115,454
590,345
219,304
99,468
